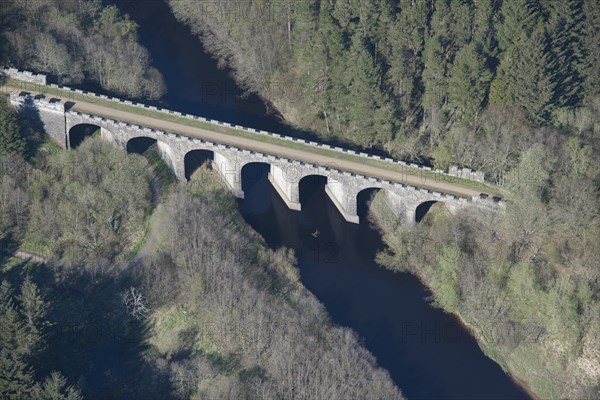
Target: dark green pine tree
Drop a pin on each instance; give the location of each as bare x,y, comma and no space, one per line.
437,53
483,29
460,25
312,75
590,69
565,26
524,78
369,110
468,83
16,377
406,40
343,11
434,80
55,387
32,302
33,309
331,64
11,141
318,64
517,17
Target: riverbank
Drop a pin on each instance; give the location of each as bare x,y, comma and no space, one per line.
540,360
204,308
239,310
378,213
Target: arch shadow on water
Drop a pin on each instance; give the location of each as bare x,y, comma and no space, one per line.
255,178
79,133
253,173
194,159
425,350
312,195
309,186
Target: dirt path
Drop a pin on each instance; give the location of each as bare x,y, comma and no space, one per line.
30,257
149,246
267,148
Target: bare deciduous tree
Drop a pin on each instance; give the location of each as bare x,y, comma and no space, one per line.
135,303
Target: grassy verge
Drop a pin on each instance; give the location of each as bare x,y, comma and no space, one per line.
44,250
140,243
163,180
426,176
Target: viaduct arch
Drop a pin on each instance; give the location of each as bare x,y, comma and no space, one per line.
181,153
79,133
194,159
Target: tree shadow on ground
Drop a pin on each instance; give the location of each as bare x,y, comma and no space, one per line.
90,337
32,128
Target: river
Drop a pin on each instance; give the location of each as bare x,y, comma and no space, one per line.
427,352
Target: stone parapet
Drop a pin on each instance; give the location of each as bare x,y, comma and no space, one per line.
25,76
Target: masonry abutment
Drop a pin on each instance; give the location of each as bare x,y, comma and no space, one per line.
342,202
230,170
286,186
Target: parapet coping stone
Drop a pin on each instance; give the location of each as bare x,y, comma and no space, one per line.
311,143
238,127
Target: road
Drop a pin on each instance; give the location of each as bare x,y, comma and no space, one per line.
266,148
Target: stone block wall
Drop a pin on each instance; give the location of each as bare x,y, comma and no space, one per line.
28,76
25,76
466,173
50,115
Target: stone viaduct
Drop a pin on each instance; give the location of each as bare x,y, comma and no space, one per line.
342,187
